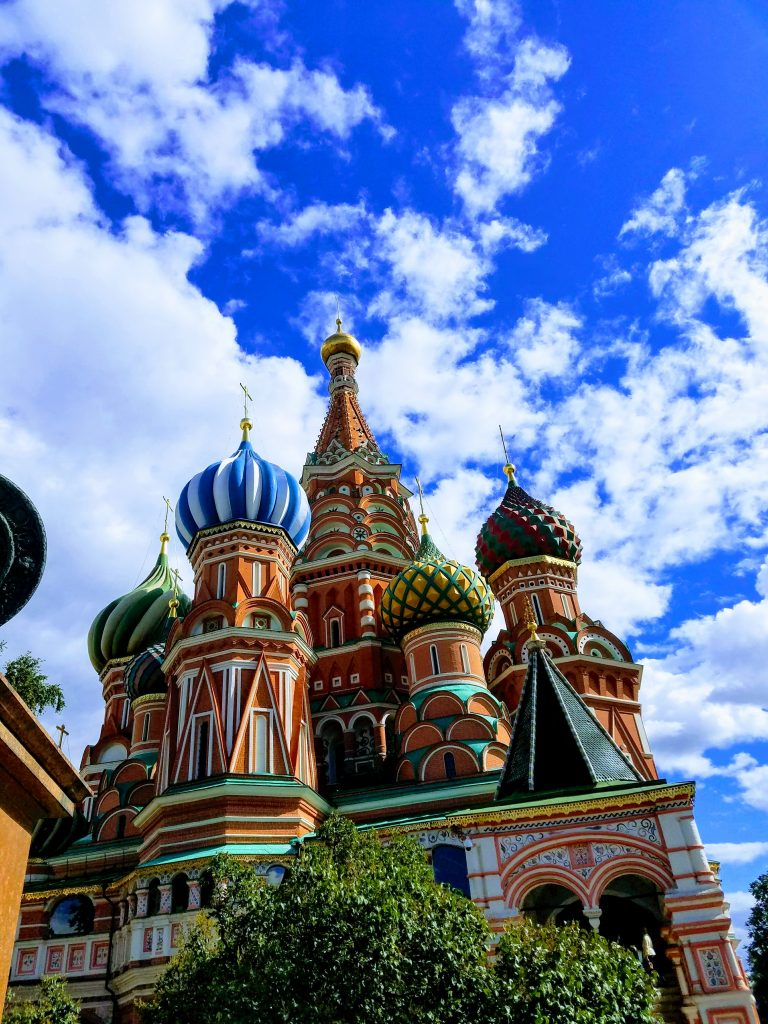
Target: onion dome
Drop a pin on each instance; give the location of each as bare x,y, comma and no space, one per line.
340,342
131,624
434,588
243,487
524,527
145,673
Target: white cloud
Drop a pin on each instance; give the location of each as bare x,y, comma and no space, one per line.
663,210
315,219
491,31
120,382
544,339
498,136
136,73
737,853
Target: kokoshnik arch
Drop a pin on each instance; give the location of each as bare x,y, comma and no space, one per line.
329,658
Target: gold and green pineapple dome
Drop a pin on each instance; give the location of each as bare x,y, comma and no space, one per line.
434,588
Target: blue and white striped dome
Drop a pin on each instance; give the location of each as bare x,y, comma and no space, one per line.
247,487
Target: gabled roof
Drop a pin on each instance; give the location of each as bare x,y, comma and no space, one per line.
557,743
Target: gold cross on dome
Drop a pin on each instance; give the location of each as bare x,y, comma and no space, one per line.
168,511
246,399
62,731
423,519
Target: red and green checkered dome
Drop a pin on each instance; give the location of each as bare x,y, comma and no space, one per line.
524,527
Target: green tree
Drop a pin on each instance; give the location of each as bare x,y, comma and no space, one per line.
569,975
53,1005
24,675
357,933
757,927
360,933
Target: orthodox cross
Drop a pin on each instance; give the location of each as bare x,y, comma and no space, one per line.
504,446
338,315
62,733
423,519
246,399
173,604
168,510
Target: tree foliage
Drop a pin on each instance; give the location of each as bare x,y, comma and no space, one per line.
360,933
757,927
570,975
24,675
356,932
53,1005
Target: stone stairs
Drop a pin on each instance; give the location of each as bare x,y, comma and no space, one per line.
669,1003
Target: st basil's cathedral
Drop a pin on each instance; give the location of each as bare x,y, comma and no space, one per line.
328,658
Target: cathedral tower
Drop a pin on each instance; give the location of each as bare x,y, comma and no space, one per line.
362,534
530,554
237,732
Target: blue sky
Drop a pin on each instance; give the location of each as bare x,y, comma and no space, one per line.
547,215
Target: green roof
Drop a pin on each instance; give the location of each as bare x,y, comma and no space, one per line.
557,742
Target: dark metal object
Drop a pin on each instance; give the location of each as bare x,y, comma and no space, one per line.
22,549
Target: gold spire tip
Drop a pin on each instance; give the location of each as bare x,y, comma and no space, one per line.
338,325
164,538
246,426
509,472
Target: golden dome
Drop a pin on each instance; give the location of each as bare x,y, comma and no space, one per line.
340,342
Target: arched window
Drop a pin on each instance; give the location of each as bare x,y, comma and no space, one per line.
145,729
335,627
153,898
221,581
256,579
449,761
464,658
537,609
275,874
71,916
449,864
179,894
435,660
568,611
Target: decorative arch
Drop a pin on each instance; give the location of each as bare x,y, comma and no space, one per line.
651,870
465,758
324,722
544,874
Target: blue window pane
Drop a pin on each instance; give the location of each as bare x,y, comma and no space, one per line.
449,864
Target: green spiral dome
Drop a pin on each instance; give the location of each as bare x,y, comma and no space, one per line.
132,623
434,588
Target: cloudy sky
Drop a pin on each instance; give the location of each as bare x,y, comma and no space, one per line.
548,215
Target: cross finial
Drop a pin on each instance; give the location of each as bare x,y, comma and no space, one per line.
168,511
245,422
509,469
173,604
62,731
423,519
338,315
530,622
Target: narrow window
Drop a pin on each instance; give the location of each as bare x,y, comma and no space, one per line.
450,765
537,609
464,658
221,584
202,750
513,613
413,668
435,660
335,633
256,579
566,606
126,709
260,744
120,833
145,729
